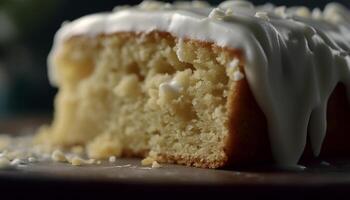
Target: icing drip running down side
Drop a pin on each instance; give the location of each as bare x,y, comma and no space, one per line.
294,57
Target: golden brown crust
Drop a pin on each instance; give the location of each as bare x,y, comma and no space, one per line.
191,161
129,153
248,138
248,141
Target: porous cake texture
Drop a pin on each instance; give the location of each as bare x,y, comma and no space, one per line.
201,86
133,94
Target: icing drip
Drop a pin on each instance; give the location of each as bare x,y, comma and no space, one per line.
294,57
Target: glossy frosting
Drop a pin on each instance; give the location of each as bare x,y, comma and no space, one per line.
294,57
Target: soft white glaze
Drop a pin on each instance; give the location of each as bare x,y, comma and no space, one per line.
294,57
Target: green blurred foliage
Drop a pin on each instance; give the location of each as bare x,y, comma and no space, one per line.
29,15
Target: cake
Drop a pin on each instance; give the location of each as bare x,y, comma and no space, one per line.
203,86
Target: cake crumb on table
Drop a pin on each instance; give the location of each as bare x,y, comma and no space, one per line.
58,156
147,161
123,166
91,161
112,159
77,161
32,159
16,161
155,164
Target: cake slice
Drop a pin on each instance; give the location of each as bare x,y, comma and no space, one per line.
201,86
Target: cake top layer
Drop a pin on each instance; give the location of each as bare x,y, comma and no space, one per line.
294,57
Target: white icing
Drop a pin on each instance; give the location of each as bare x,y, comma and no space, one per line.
179,50
175,85
262,15
218,13
238,4
229,11
172,88
336,13
293,61
302,12
316,13
237,75
153,5
234,63
281,11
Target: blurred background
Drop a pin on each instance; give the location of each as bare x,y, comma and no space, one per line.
27,28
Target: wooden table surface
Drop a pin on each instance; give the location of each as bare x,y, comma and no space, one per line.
127,176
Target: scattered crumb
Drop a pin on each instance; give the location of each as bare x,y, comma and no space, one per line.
32,160
301,167
143,168
155,164
91,161
16,161
147,161
77,161
4,163
58,156
122,166
324,163
112,159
